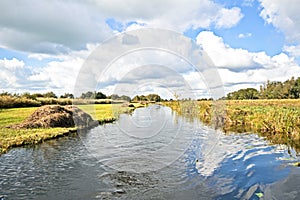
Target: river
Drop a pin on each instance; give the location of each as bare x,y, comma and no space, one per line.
151,154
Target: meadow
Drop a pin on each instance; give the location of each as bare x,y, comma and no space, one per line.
277,120
17,137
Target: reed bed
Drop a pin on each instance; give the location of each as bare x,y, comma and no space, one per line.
277,120
7,101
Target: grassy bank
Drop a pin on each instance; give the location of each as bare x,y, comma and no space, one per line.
277,120
18,137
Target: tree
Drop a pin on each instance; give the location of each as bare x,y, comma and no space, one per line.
295,91
100,95
125,98
136,98
149,97
270,90
249,93
153,97
114,97
87,95
36,95
67,95
50,95
26,95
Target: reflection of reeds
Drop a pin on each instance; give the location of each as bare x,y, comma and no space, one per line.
277,120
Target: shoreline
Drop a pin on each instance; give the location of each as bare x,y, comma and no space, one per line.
277,120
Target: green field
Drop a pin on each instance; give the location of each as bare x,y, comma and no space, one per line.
18,137
277,120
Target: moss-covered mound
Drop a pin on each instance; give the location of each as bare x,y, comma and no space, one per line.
57,116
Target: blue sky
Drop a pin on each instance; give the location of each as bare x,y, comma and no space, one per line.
44,45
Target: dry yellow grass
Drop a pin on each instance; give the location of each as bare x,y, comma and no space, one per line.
277,120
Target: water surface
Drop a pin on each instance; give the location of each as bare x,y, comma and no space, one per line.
151,155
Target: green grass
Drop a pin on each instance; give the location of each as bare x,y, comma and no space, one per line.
107,112
14,115
17,137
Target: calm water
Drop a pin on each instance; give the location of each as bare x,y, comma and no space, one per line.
151,155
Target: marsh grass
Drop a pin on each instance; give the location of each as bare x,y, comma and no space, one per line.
17,102
277,120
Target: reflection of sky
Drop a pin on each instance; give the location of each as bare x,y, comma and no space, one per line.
238,166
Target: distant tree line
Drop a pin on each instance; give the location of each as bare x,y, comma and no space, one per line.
149,97
31,96
85,95
289,89
100,95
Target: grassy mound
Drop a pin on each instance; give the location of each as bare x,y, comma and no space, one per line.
52,116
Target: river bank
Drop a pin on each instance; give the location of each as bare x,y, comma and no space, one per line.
277,120
9,138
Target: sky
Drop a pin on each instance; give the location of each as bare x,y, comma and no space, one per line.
45,44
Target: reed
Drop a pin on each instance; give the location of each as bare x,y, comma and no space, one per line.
277,120
17,102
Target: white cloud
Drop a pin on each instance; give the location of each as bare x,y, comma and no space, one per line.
60,27
242,35
293,50
284,15
239,68
221,54
227,18
50,27
61,30
9,69
156,68
58,76
12,64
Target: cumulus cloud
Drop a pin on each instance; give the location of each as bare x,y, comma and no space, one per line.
68,31
174,14
12,64
59,27
58,75
284,15
160,69
227,18
242,35
8,69
50,27
221,54
239,68
293,50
